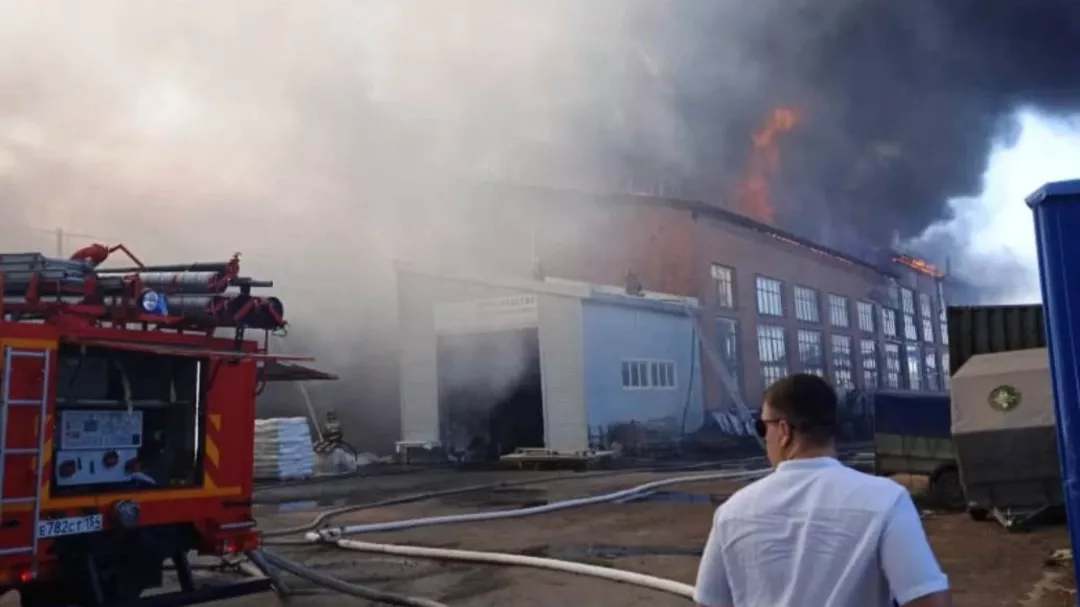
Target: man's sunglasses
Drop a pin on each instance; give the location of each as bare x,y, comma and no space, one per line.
761,426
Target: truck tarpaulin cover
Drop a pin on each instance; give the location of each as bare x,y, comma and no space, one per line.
912,414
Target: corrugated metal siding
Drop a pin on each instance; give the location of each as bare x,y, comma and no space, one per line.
563,369
977,330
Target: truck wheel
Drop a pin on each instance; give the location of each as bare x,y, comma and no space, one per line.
946,490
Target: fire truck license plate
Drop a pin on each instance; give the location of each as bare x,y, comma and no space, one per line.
69,526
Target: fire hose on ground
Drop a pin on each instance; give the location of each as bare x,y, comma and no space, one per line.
334,536
270,537
332,583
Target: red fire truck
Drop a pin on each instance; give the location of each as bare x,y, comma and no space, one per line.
127,412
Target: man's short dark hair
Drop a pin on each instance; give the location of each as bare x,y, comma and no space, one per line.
808,403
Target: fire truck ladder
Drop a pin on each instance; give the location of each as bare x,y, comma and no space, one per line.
10,355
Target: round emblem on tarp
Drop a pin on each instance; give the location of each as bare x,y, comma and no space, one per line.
1004,398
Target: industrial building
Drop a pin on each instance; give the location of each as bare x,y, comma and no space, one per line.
493,364
769,303
775,302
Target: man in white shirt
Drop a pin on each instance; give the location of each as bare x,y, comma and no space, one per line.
816,533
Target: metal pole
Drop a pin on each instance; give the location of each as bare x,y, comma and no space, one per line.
59,242
1056,208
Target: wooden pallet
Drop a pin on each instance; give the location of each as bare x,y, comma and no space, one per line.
535,459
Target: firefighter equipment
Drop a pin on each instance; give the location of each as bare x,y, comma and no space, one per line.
117,403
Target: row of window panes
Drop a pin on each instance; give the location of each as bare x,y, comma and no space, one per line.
643,374
806,299
770,302
911,330
921,366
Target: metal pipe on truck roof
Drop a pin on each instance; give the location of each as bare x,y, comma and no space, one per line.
1056,209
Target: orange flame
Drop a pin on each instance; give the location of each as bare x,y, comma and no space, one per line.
919,265
753,197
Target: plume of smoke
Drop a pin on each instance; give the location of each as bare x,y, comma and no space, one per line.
990,241
321,140
324,140
901,100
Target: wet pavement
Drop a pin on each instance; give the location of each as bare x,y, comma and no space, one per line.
659,532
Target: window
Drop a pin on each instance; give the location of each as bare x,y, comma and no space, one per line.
841,360
911,331
635,374
945,370
727,342
772,352
914,367
662,374
811,355
925,308
770,297
907,301
807,305
892,366
724,281
838,311
888,322
641,374
931,370
866,316
941,301
868,352
944,333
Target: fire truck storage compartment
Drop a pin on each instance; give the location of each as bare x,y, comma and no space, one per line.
127,420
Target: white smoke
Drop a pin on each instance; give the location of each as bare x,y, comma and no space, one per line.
992,237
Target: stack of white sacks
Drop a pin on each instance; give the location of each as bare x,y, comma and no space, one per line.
283,449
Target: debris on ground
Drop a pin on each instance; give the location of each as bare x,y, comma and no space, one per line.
1059,558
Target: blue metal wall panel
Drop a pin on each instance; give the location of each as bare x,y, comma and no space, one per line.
614,333
1056,207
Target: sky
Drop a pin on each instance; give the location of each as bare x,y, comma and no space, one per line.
998,222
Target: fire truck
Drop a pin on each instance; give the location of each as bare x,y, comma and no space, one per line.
127,407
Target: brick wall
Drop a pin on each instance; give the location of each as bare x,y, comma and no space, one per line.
656,242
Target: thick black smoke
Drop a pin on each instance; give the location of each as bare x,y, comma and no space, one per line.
901,101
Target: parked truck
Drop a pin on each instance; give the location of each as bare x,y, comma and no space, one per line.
1003,414
913,435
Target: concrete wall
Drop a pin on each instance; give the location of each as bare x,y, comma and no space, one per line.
615,333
